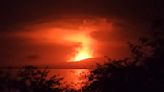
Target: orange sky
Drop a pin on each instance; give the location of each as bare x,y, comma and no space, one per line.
63,32
66,39
51,31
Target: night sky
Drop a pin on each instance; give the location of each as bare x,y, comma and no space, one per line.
23,23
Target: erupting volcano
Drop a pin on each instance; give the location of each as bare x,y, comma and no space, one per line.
72,39
83,52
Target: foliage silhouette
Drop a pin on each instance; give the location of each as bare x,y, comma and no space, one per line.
30,79
142,72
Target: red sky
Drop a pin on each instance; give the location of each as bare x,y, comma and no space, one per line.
49,32
58,41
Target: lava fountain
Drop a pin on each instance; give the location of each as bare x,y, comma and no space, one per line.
83,51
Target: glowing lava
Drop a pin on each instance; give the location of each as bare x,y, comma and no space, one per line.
84,50
83,53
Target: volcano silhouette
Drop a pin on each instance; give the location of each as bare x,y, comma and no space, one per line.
88,63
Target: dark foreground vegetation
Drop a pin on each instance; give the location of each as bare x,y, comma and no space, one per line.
142,72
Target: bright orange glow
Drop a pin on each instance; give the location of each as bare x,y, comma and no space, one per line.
76,34
85,50
83,53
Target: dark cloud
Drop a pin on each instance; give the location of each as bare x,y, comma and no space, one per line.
14,12
33,56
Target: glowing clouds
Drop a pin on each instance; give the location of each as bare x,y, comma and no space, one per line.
75,34
84,51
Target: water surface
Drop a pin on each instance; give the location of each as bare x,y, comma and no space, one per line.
74,78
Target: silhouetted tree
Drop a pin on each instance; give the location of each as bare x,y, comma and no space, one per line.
142,72
35,80
30,79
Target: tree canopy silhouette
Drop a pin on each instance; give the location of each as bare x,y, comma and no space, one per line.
142,72
30,79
